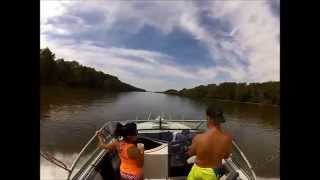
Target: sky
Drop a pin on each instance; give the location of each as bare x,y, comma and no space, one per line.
159,45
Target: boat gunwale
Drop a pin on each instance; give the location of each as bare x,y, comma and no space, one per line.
150,129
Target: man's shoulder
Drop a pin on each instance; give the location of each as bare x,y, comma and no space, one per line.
228,136
198,136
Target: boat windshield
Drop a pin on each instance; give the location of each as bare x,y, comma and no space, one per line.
145,125
86,155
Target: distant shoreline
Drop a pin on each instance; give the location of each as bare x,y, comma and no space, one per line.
259,93
222,100
65,87
225,100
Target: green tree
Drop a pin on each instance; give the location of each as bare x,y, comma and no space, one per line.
71,73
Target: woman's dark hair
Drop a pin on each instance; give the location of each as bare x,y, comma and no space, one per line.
119,130
129,129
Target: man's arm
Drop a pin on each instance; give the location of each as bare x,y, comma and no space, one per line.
192,148
229,147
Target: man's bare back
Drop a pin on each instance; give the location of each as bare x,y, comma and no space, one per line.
211,147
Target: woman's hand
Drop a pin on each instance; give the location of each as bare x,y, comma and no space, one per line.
98,133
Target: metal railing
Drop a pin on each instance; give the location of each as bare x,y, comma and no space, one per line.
85,147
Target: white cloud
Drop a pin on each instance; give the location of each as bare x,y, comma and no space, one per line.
50,9
258,32
249,52
118,62
149,56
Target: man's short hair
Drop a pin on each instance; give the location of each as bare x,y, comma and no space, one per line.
216,114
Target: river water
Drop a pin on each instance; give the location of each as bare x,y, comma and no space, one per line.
70,117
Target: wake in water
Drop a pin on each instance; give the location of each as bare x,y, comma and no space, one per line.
48,171
52,173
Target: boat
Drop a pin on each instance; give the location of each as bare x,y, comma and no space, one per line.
165,143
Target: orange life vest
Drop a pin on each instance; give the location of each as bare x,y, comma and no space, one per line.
128,165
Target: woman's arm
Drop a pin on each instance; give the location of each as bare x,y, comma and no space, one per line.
135,153
110,146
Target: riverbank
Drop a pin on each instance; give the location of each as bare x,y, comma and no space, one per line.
58,72
266,93
222,100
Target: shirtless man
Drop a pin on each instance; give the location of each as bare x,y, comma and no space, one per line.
210,148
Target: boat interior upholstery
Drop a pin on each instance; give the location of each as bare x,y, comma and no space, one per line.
164,157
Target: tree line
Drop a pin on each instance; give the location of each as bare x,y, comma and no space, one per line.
264,93
58,72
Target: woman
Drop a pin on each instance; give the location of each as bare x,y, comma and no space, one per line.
131,157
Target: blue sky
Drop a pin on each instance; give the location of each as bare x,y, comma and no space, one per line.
160,45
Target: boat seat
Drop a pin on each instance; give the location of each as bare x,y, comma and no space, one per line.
156,162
